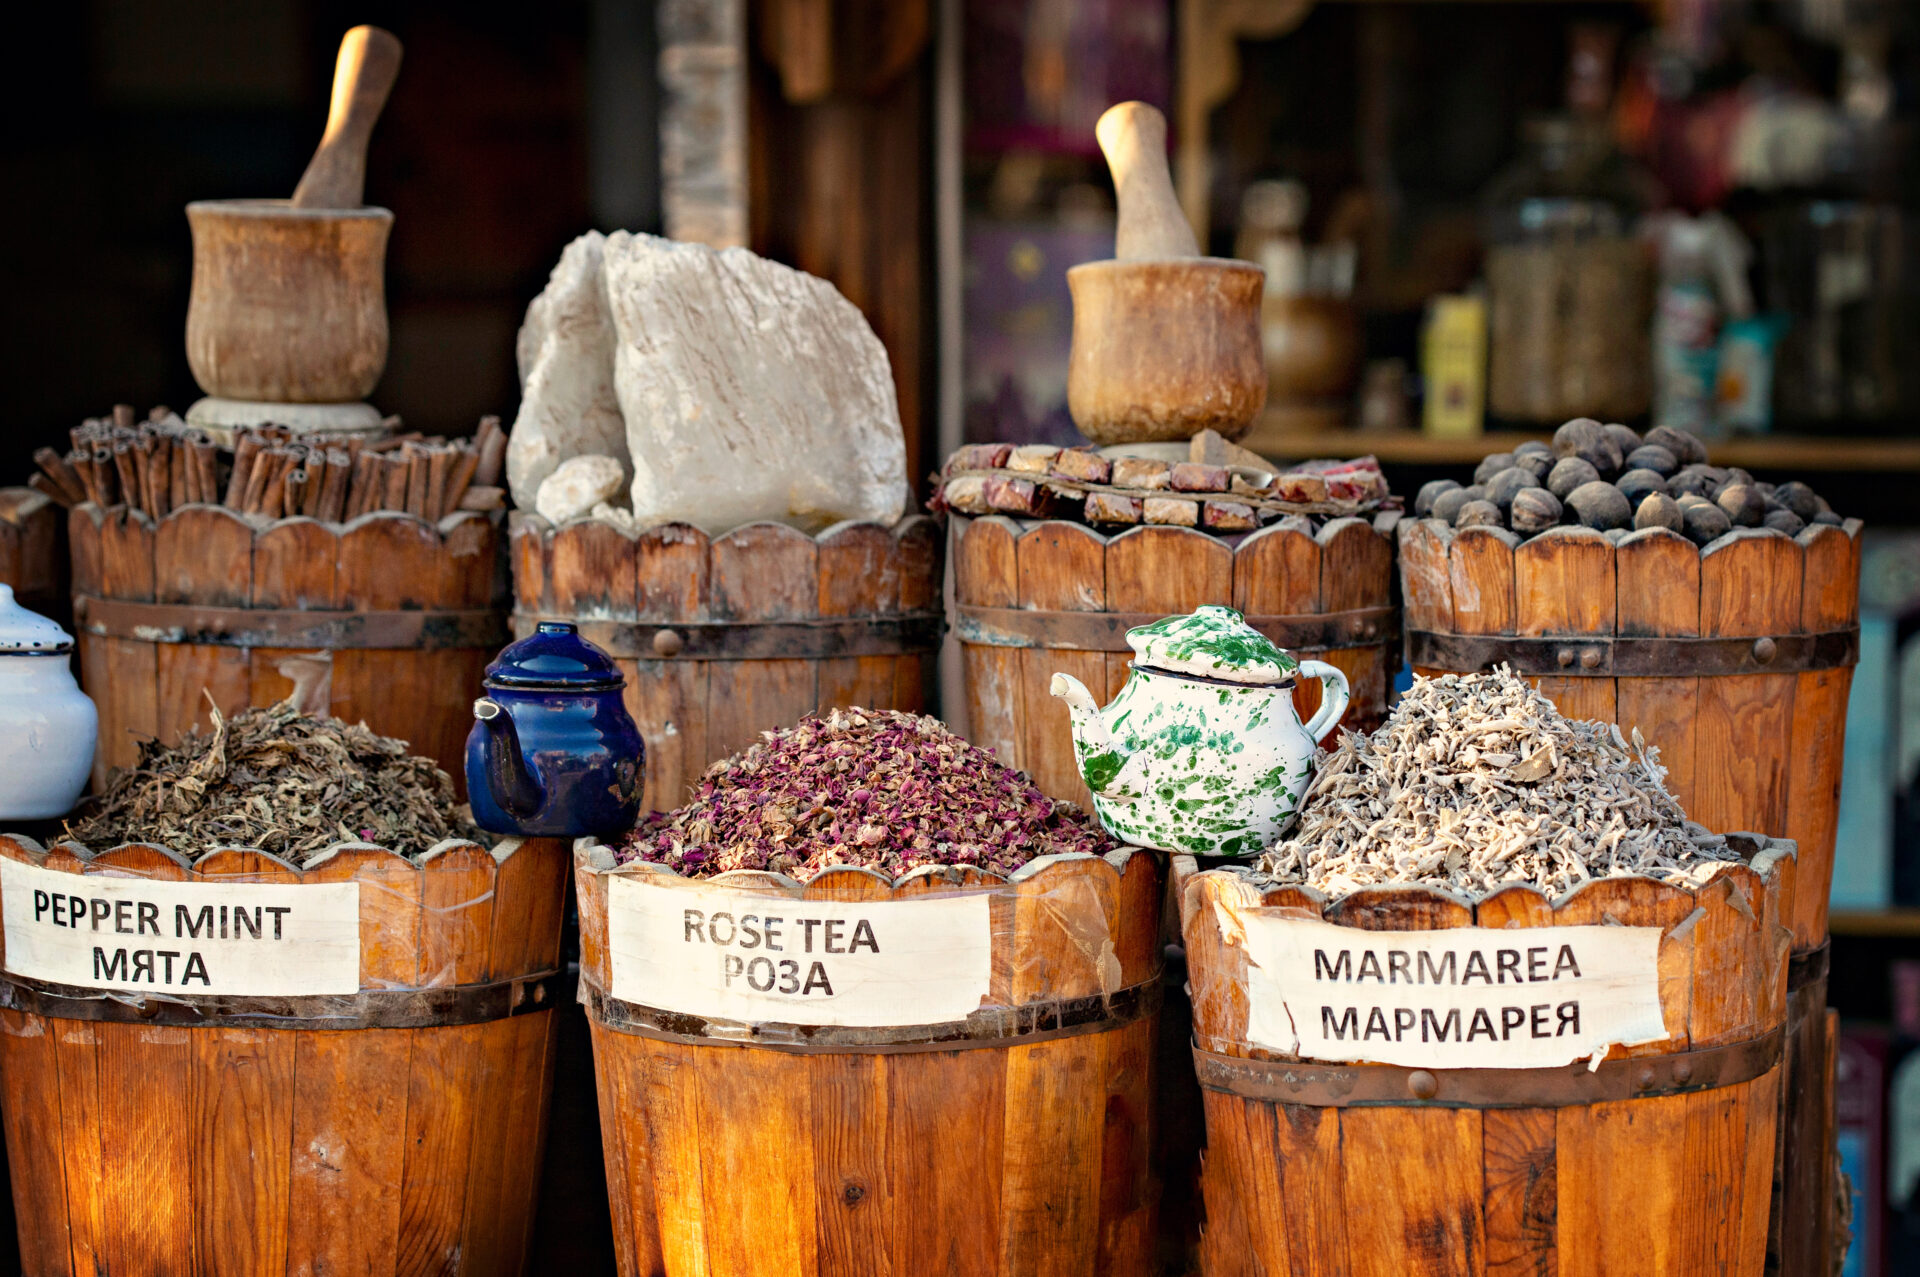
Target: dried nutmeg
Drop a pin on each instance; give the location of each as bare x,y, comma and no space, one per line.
1651,456
1784,521
1536,464
1691,479
1658,510
1506,485
1448,504
1491,465
1625,438
1534,510
1600,505
1479,514
1829,518
1705,522
1423,503
1743,504
1636,485
1569,473
1588,439
1532,447
1687,449
1799,498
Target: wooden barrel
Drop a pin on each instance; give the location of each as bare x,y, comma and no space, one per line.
155,1131
723,638
1735,660
1012,1140
206,602
31,557
1656,1162
1032,598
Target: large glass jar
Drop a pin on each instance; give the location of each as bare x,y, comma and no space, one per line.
1569,285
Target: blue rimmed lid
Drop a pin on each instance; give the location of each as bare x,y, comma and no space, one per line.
555,658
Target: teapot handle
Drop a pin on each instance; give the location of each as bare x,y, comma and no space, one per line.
1333,697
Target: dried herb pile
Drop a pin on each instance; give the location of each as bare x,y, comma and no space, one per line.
1476,781
280,781
878,788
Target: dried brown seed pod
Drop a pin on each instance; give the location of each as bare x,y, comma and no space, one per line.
1533,447
1600,505
1479,514
1651,456
1625,438
1537,464
1659,510
1588,439
1637,485
1448,505
1827,517
1705,522
1691,479
1534,510
1569,473
1423,502
1490,465
1742,503
1799,498
1784,521
1503,487
1686,448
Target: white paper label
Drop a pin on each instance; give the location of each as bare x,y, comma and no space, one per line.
712,952
140,936
1464,998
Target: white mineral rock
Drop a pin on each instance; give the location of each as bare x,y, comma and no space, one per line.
568,407
576,486
750,391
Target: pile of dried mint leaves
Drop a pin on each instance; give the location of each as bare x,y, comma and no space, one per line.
1475,782
279,781
878,788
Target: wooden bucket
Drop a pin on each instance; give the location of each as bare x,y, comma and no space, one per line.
726,637
1032,598
206,602
1656,1163
1735,660
31,560
1013,1141
155,1132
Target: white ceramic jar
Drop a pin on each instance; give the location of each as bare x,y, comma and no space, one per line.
48,727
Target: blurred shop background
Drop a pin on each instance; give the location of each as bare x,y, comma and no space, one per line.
1477,218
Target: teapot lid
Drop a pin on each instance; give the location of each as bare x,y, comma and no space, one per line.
24,633
1212,642
555,657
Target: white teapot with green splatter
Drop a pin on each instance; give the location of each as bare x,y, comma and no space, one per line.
1202,751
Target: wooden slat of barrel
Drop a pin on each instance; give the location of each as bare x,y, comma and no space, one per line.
1749,586
33,1071
1356,571
916,549
1425,547
1658,596
761,572
1276,572
1062,568
859,576
672,569
1156,569
1829,600
1564,584
294,567
349,1092
1519,1203
987,574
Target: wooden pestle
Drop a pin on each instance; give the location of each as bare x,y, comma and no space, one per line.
363,75
1133,136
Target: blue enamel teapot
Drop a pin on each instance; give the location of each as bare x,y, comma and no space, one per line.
554,753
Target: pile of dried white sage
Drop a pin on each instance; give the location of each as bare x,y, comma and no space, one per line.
1476,781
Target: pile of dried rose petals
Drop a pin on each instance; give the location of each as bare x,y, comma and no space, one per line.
878,788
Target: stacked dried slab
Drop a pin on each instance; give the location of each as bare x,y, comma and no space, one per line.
1014,1142
207,603
1734,659
1658,1161
722,638
1033,597
191,1136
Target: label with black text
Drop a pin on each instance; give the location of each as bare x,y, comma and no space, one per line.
1463,998
141,936
732,955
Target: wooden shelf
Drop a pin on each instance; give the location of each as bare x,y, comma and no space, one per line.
1875,923
1803,453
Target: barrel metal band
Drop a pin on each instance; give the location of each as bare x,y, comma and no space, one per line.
1107,631
987,1027
1385,1085
367,1009
816,639
1808,966
287,627
1611,656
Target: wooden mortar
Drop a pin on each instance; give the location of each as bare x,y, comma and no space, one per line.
1166,343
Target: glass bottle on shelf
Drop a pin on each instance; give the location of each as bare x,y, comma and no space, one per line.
1570,286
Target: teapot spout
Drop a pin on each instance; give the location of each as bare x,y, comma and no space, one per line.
515,790
1094,746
